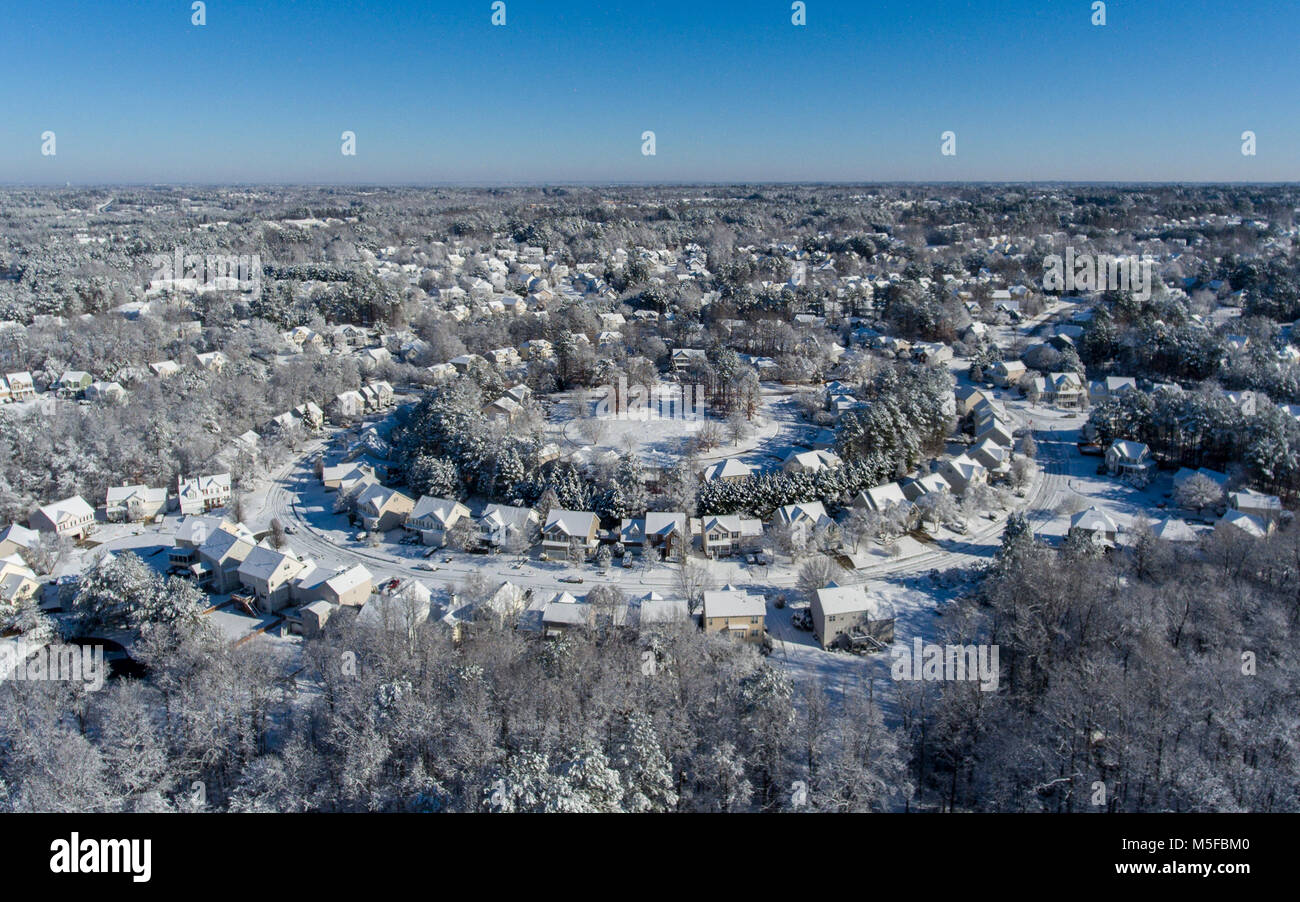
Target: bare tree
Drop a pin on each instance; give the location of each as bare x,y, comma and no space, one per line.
817,573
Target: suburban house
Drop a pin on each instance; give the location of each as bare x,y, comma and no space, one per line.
505,605
503,526
804,518
1096,525
962,472
310,414
1266,507
269,575
15,538
736,613
17,581
563,612
729,470
381,508
219,557
71,517
810,461
504,409
667,531
1065,390
1124,457
565,530
197,496
21,386
1110,387
729,534
342,477
371,358
1007,373
968,398
881,498
347,405
684,357
105,392
213,361
1247,523
914,489
441,372
991,454
537,349
313,617
433,517
134,503
849,615
378,394
997,430
656,611
631,533
73,382
343,586
1171,529
191,534
302,339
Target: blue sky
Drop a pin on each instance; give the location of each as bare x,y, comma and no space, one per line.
732,90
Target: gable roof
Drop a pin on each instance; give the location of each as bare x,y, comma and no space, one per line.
69,509
571,523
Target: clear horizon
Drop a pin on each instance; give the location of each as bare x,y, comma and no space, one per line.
735,93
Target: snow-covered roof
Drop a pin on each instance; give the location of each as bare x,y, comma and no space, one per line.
1093,520
731,602
835,599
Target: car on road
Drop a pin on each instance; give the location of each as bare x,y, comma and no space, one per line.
290,530
425,565
571,579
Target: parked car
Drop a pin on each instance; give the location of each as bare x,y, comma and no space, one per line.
570,579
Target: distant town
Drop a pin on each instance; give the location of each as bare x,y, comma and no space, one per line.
651,499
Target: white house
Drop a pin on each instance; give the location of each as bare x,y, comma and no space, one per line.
1125,457
196,496
1095,524
810,461
729,470
134,503
881,498
71,517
